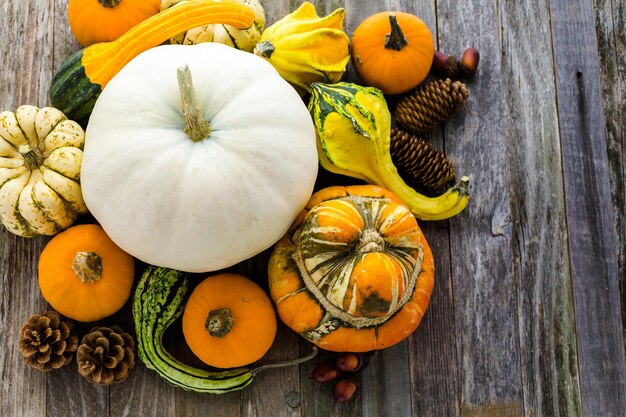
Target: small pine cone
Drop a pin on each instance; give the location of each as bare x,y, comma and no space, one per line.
430,104
106,355
428,166
47,341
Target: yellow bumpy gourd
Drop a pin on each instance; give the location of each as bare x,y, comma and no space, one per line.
305,48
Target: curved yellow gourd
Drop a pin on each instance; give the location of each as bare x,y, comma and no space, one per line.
353,138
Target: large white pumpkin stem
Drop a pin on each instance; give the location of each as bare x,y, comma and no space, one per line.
196,127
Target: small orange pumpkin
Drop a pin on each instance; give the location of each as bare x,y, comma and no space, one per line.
229,321
84,275
354,273
94,21
392,51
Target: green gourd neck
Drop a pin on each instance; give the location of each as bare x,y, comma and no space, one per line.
196,126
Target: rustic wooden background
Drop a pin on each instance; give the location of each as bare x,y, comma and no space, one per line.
525,318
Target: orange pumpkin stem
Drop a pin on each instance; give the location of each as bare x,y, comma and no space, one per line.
219,322
395,39
109,3
196,127
87,266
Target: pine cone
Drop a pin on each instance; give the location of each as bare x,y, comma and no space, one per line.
47,342
106,355
430,104
427,165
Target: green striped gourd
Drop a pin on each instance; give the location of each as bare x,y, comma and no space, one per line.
158,301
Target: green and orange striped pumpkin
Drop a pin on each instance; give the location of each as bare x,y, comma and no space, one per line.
354,272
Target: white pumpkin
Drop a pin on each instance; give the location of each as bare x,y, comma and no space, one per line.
205,205
244,39
40,158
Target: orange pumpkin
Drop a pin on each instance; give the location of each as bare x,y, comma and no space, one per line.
229,321
354,273
84,275
94,21
392,51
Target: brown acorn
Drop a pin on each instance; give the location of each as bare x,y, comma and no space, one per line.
325,372
469,61
445,65
344,390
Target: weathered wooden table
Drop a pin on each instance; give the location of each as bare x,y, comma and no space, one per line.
525,318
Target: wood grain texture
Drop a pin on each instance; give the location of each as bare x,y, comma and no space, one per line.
592,251
545,302
538,242
611,32
317,398
274,392
385,385
67,392
481,242
26,70
432,348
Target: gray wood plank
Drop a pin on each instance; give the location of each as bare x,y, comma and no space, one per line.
276,392
67,392
26,29
432,348
385,385
481,241
592,253
545,300
611,32
142,394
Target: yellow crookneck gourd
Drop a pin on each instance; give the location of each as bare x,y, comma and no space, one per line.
353,127
305,48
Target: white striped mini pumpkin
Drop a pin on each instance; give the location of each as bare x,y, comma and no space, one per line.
41,153
244,39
